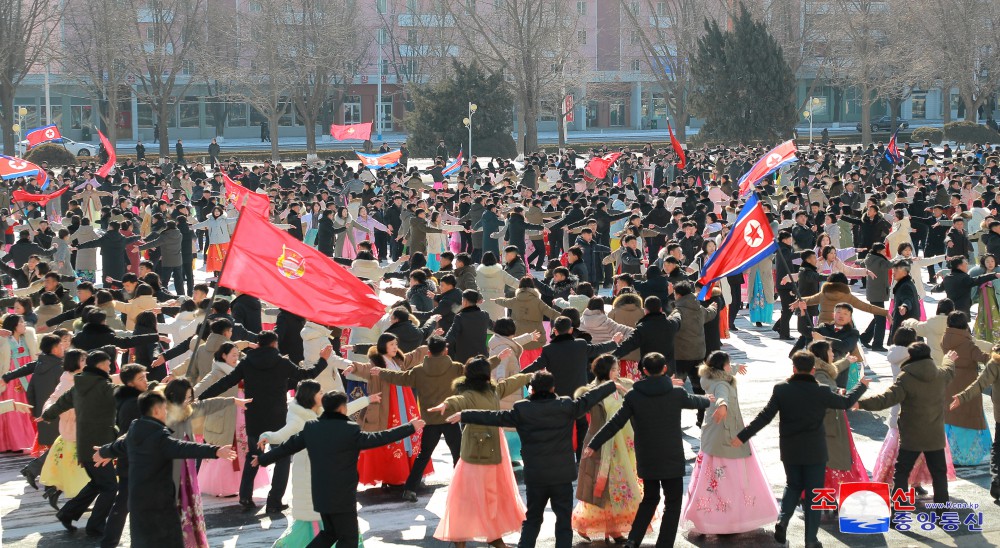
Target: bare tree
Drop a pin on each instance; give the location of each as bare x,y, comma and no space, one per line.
27,30
96,58
168,35
666,33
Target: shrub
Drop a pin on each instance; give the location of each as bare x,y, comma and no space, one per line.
970,133
932,134
55,154
498,146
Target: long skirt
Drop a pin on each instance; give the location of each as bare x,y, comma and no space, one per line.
17,430
62,468
987,325
968,447
834,478
629,369
761,310
189,506
529,356
728,496
483,502
215,256
885,466
220,477
390,464
300,533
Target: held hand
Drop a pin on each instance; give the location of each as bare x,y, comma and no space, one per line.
955,402
254,461
439,332
227,453
785,280
252,345
902,310
951,355
855,407
588,452
430,294
41,329
349,370
22,407
720,413
262,444
5,333
39,419
741,369
618,337
164,339
3,386
677,382
536,336
505,353
108,279
326,352
817,337
418,424
375,398
455,418
347,347
711,398
376,371
242,403
872,274
736,442
440,408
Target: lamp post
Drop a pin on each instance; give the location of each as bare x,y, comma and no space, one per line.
468,124
21,113
813,101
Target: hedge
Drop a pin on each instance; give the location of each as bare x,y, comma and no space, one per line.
55,155
933,134
970,133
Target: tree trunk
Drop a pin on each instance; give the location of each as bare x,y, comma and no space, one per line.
894,105
680,123
946,104
866,116
309,121
971,107
273,123
163,119
7,119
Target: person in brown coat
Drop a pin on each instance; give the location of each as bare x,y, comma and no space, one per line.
970,416
832,293
627,310
528,310
989,378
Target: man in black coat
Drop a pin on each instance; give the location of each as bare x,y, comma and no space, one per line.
22,250
267,377
654,407
169,242
245,309
289,326
802,403
133,377
654,332
783,269
151,450
809,280
904,297
112,244
334,443
937,225
446,304
958,285
409,336
544,423
293,219
467,335
568,358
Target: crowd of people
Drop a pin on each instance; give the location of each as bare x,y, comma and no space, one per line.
531,316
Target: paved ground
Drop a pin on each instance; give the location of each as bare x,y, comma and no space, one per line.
28,521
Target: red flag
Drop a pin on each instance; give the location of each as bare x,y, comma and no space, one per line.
22,196
270,264
682,159
112,158
241,197
351,131
598,167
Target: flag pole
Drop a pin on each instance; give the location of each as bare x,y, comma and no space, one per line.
788,268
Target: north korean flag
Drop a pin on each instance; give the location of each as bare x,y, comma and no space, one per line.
892,153
45,134
12,168
750,241
780,156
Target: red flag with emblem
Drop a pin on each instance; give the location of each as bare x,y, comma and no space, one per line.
243,198
598,167
351,131
268,263
681,157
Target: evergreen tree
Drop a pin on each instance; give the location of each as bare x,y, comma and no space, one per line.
744,88
438,111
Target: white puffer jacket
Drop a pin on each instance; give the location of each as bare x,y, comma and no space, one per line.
601,327
315,337
492,281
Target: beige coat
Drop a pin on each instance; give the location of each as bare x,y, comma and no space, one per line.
838,435
970,414
492,281
134,307
627,310
832,294
510,365
481,444
377,415
219,425
30,341
529,312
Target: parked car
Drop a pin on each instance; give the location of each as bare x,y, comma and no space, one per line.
885,124
77,149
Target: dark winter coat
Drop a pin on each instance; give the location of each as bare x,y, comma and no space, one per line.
653,333
467,334
654,407
169,242
919,390
92,397
112,244
544,423
245,309
692,328
96,337
958,286
409,337
568,359
44,379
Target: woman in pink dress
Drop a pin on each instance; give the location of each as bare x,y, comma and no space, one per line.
371,225
483,502
17,431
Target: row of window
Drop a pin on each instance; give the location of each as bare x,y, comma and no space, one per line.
635,6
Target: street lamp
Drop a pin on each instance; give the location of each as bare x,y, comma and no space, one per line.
813,101
21,113
468,124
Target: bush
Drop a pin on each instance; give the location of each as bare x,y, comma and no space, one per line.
498,146
970,133
55,154
932,134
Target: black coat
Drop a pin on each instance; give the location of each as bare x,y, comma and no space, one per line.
904,293
655,285
334,443
246,310
44,379
112,245
409,337
568,359
545,425
267,376
92,397
96,337
151,452
802,403
289,326
654,407
447,305
22,250
653,333
467,335
958,286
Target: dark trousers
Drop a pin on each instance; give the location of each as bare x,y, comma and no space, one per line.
806,320
876,328
160,529
35,466
537,256
736,296
119,511
673,491
431,436
787,296
689,369
188,270
341,529
994,463
936,465
177,273
538,496
101,491
279,478
799,478
582,425
202,239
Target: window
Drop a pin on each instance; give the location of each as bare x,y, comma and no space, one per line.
919,106
634,7
592,107
408,67
384,69
187,67
144,115
254,7
151,33
661,9
617,113
411,36
548,111
237,115
636,65
633,37
470,6
80,116
383,35
411,6
659,106
382,6
30,119
288,118
386,110
352,109
581,8
581,37
188,112
256,118
56,117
